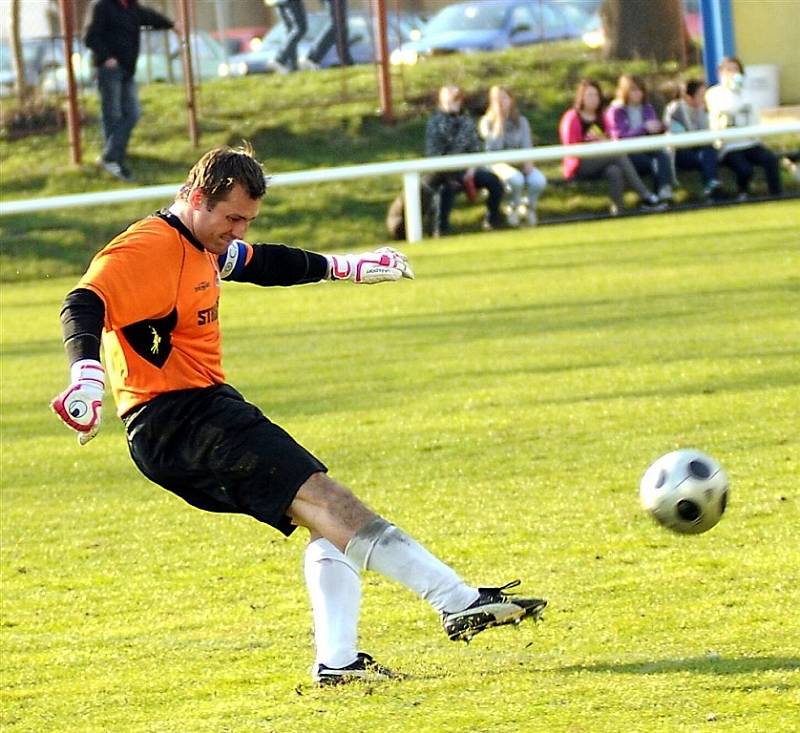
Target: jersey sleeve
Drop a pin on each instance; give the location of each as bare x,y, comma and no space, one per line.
271,264
136,275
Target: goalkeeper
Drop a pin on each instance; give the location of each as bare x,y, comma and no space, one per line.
152,296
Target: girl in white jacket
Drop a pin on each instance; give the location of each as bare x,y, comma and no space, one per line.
730,105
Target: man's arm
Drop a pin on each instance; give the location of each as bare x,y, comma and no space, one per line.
82,317
151,19
472,142
277,264
95,37
80,405
435,141
271,264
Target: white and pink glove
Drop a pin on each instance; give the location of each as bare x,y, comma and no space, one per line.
80,405
370,267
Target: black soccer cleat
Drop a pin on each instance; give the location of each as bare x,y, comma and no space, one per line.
365,668
493,607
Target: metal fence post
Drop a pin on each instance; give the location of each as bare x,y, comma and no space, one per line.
412,206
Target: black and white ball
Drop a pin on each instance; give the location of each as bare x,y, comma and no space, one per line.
685,491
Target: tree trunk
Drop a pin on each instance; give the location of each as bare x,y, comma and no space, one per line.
17,59
645,29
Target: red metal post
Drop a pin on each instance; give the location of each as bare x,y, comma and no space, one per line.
384,78
188,72
73,116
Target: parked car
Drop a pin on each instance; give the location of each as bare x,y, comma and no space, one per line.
240,40
489,25
159,61
160,57
39,55
361,36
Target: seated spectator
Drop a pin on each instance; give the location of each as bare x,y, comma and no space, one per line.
631,115
688,114
583,123
504,128
729,105
451,131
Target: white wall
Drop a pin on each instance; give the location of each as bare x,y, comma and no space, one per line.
34,17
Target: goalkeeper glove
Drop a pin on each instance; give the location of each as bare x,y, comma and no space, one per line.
80,405
370,267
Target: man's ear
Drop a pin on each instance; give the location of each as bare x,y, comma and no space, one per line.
197,198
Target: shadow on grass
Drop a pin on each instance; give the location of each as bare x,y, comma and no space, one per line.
702,665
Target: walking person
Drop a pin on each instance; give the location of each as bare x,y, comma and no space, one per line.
334,33
293,15
113,36
503,128
151,296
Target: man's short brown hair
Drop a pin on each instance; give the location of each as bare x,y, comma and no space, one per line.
220,169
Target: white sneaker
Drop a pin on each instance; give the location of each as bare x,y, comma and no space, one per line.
665,193
512,218
531,219
115,169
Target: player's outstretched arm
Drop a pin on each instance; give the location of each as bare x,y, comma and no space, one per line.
277,264
384,264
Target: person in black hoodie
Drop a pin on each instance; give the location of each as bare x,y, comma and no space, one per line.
113,38
452,131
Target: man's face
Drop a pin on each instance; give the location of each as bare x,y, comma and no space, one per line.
698,98
229,219
450,99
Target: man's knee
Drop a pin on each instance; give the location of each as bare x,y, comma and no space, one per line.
321,499
329,510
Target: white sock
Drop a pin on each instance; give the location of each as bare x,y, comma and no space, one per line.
334,587
386,549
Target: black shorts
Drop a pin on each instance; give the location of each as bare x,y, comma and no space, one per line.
219,453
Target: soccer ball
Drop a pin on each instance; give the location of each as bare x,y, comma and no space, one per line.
685,491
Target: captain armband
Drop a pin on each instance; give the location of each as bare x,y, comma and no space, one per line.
233,261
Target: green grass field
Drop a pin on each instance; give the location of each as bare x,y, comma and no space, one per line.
502,408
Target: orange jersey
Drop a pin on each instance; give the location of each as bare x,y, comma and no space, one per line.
161,294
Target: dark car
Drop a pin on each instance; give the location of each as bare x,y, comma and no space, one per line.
490,25
361,37
240,40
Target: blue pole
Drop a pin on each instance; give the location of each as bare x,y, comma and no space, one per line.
718,35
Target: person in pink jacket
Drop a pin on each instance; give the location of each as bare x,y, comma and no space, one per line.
583,123
631,115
